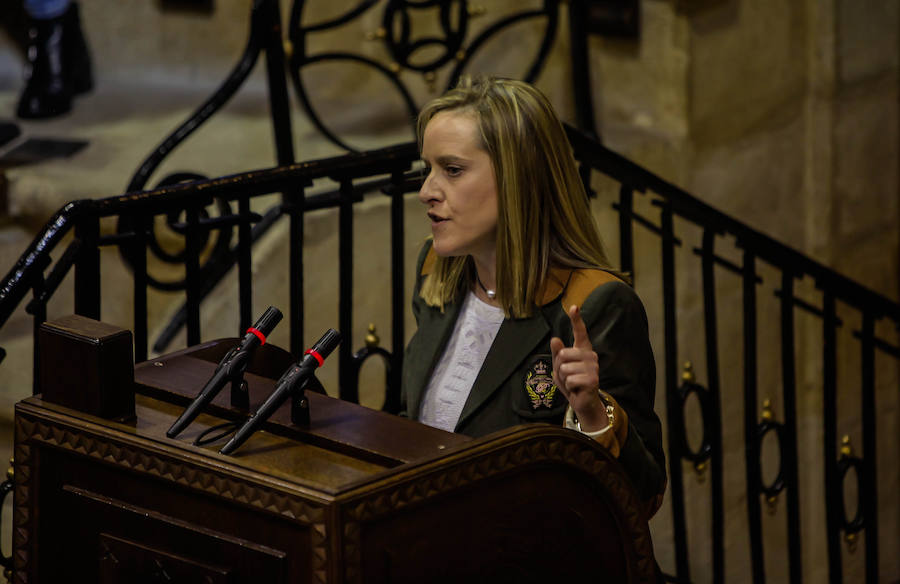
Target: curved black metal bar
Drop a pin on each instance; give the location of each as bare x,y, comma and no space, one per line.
391,390
401,49
844,466
297,12
130,225
704,451
551,11
453,17
307,104
778,483
218,99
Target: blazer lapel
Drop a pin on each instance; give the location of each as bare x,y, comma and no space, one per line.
516,339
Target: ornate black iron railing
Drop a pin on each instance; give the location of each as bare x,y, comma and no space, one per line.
184,205
388,171
757,248
456,43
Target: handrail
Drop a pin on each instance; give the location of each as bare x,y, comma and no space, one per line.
18,280
590,151
262,181
28,270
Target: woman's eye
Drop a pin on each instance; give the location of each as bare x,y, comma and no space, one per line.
454,171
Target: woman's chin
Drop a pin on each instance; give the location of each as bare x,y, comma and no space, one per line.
445,251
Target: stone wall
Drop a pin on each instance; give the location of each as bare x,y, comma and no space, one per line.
783,115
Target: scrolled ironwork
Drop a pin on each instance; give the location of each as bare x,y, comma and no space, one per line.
336,57
371,349
264,35
848,462
396,22
769,424
689,386
402,45
203,113
128,225
550,11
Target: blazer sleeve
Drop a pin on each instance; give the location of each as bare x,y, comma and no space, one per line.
617,324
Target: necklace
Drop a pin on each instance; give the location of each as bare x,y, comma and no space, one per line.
490,293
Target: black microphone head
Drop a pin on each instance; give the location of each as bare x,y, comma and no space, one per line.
325,345
271,317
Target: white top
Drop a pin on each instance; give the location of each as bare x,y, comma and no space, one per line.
453,377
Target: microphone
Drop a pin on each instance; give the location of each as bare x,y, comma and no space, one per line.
294,378
231,367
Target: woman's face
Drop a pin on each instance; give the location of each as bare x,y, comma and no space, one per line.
460,189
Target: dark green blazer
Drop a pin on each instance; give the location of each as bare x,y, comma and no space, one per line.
508,389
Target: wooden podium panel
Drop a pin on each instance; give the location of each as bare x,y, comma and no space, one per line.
358,496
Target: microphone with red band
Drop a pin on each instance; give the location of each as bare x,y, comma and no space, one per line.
259,335
317,357
231,368
294,379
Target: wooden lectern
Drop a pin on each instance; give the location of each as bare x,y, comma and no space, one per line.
358,496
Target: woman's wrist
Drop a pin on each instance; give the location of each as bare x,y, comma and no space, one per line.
598,416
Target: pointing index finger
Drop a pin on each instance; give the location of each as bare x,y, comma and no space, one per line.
580,338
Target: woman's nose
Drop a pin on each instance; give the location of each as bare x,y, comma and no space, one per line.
428,192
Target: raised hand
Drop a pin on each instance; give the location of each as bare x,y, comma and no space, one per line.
576,372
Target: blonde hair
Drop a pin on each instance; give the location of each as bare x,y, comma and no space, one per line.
544,218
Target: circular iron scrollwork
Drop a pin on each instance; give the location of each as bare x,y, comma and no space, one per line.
131,224
778,483
704,451
453,18
427,53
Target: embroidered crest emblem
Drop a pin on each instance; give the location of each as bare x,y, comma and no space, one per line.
539,385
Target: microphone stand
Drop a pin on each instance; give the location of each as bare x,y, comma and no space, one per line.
292,384
230,368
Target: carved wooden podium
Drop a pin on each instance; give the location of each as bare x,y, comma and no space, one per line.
358,496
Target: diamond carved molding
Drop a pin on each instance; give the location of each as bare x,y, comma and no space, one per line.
31,431
579,454
21,509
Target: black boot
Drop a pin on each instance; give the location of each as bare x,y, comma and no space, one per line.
58,68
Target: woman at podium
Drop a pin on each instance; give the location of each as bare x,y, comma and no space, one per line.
520,316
